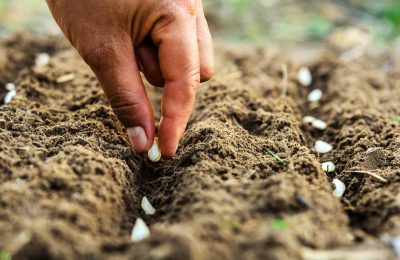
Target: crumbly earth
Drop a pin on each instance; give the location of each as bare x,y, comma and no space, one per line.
71,187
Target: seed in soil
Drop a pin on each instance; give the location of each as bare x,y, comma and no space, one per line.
42,60
319,124
396,245
65,78
304,76
10,86
154,152
140,231
147,207
323,147
10,94
328,166
340,188
394,242
309,119
315,95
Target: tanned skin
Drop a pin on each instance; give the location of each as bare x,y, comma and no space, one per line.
168,40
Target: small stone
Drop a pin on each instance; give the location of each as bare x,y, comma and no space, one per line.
147,207
340,188
319,124
304,76
328,166
315,95
323,147
140,231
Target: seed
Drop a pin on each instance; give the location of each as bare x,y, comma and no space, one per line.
319,124
309,119
147,207
315,95
396,245
340,188
140,231
10,86
304,76
323,147
65,78
8,97
42,60
328,166
154,152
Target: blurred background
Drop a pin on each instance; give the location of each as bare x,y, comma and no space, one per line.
283,21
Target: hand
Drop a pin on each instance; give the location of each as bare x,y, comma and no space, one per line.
168,40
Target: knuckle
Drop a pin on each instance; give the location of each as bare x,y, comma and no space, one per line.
180,8
183,115
189,6
122,100
192,79
125,107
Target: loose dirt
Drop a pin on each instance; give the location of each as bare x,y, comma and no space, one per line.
71,187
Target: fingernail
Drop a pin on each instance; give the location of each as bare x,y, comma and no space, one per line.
137,137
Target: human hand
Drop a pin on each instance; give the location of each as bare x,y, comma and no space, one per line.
168,40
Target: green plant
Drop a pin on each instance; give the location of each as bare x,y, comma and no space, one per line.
279,224
277,158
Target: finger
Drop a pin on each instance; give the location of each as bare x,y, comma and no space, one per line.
112,60
206,49
147,55
179,62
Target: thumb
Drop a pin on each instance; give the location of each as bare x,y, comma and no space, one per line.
113,61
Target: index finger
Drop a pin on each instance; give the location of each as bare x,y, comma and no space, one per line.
180,67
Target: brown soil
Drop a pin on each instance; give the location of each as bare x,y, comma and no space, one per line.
70,186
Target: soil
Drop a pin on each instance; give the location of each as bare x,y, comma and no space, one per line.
71,187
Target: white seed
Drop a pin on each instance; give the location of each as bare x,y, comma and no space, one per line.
304,76
65,78
10,86
309,119
8,97
154,152
394,242
319,124
340,188
140,231
42,60
323,147
147,207
315,95
328,166
396,245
